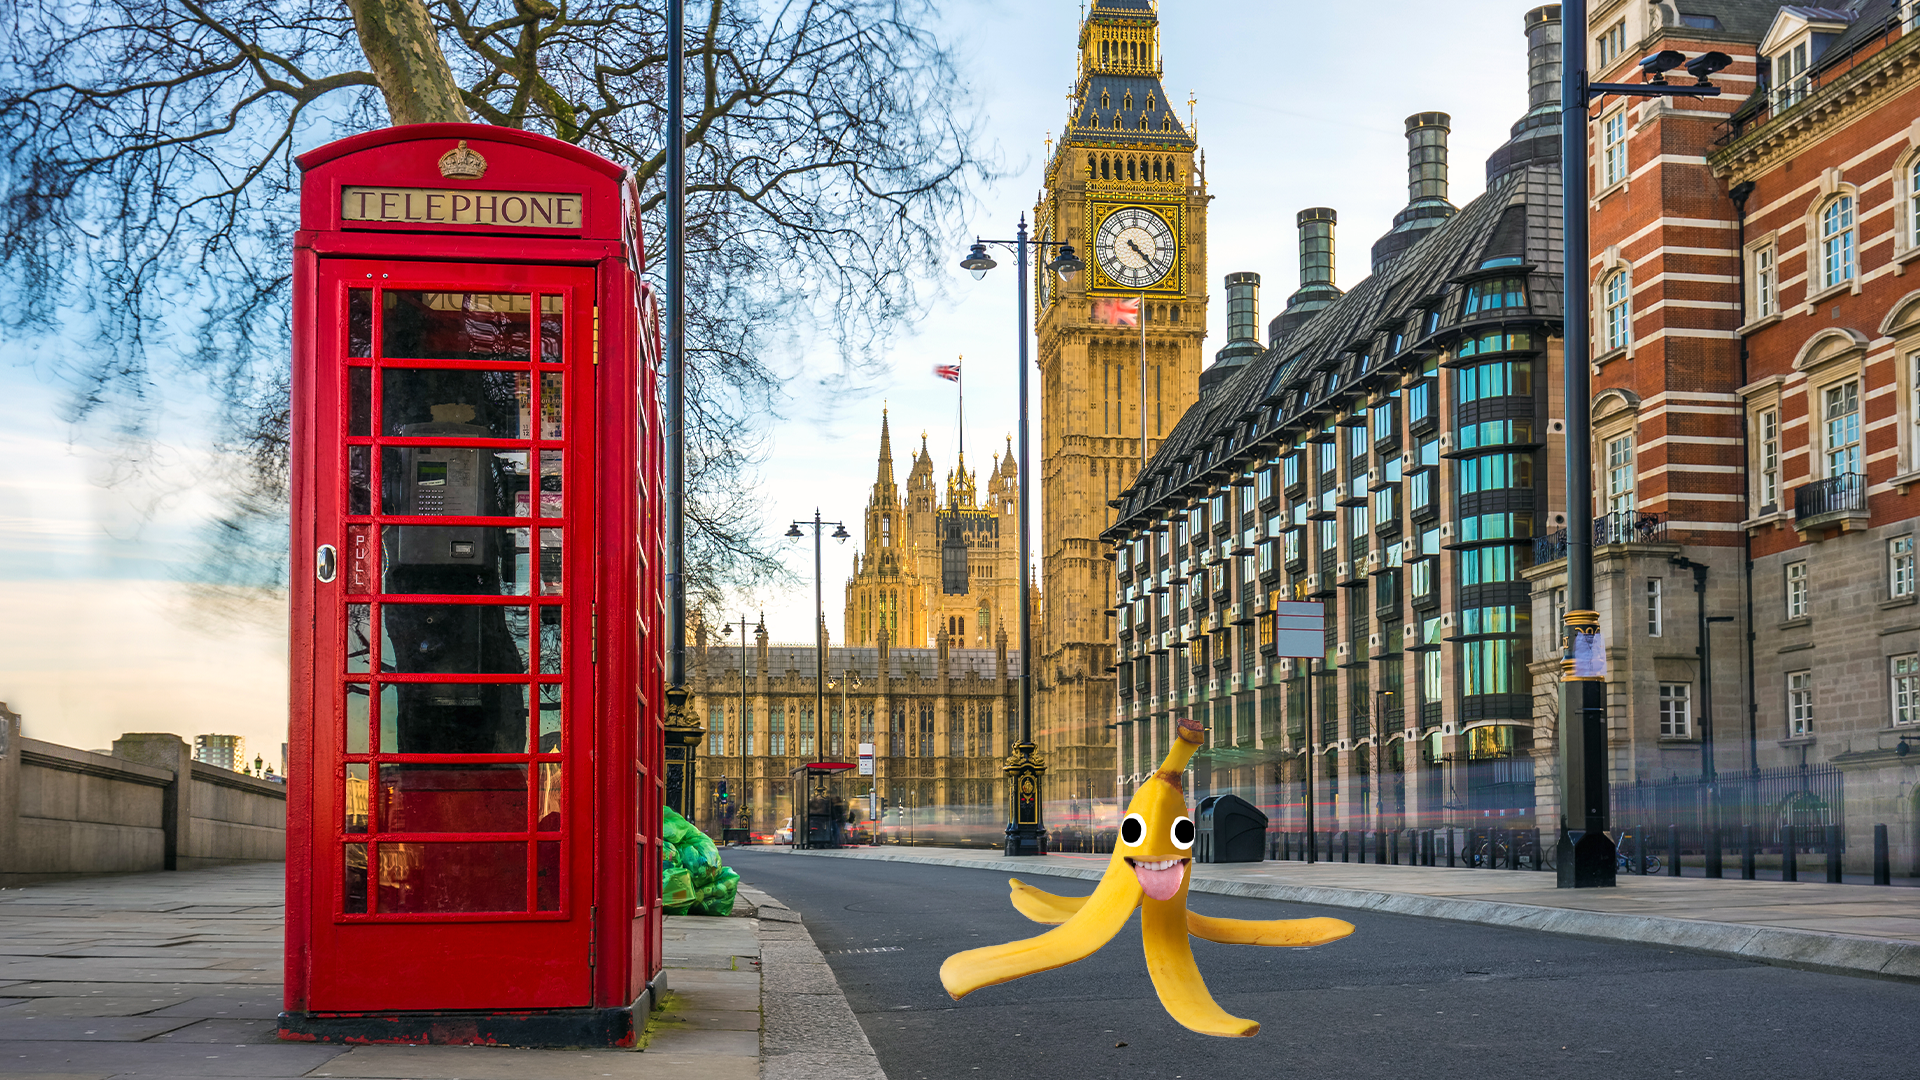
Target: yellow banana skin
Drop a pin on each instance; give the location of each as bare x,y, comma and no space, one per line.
1045,907
1152,872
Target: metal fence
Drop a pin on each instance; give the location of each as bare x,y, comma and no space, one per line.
1808,799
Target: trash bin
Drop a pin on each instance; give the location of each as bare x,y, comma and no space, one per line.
1231,829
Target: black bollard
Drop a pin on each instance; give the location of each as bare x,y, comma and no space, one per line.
1789,855
1393,848
1833,854
1714,867
1746,853
1346,845
1426,847
1380,848
1673,851
1449,845
1539,853
1882,869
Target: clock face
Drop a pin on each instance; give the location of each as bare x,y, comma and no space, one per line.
1135,247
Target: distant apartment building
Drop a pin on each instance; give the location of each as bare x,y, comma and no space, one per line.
226,751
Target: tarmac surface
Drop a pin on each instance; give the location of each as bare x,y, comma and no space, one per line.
1403,997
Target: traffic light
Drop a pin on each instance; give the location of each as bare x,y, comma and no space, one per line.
724,795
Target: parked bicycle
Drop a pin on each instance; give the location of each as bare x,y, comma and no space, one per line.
1632,863
1502,851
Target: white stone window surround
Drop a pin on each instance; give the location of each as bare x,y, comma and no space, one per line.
1612,261
1763,396
1818,288
1762,310
1902,324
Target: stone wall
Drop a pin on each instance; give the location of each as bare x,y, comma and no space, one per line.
65,811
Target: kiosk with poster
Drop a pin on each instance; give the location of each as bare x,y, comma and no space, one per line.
474,813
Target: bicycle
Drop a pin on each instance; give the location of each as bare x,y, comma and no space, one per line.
1633,863
1534,858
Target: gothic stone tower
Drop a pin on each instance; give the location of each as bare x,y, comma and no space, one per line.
897,591
1122,186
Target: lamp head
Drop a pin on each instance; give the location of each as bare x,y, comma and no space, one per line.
795,531
1706,64
1067,263
1654,68
841,534
978,261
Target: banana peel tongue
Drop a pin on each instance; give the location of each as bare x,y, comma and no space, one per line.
1159,878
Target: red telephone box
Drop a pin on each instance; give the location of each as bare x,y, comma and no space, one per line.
477,679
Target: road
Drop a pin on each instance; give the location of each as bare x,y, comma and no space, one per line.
1402,998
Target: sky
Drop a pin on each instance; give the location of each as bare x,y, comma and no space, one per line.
1296,105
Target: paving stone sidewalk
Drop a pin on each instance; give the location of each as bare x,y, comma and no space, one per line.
171,976
1844,929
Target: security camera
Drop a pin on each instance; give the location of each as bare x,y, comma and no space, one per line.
1706,64
1654,67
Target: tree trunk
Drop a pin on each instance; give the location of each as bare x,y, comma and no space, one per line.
404,53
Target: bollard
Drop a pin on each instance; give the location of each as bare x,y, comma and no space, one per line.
1833,854
1789,855
1426,847
1714,867
1882,869
1393,848
1539,853
1380,848
1673,850
1346,845
1449,839
1514,837
1746,853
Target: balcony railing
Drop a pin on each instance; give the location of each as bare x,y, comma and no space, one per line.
1839,496
1621,527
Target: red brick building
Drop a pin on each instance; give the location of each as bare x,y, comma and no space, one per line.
1756,361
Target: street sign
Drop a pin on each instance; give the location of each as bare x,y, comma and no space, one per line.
866,759
1300,628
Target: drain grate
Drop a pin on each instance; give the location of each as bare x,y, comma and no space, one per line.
881,948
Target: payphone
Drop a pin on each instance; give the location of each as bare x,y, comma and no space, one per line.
477,712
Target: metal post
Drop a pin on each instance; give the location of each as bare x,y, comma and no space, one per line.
1789,854
1673,851
740,799
1833,855
676,355
1309,761
1587,858
1882,868
1746,853
1024,769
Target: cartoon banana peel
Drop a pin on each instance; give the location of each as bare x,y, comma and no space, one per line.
1150,870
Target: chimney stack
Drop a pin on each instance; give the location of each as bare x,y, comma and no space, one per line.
1427,205
1536,137
1316,273
1243,330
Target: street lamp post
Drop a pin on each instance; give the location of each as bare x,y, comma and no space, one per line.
1587,856
1024,768
841,534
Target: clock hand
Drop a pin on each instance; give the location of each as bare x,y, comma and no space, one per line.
1136,248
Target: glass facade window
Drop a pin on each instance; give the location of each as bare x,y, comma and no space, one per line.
1676,710
1616,307
1799,703
1905,689
1841,416
1498,295
1766,282
1420,402
1491,667
1613,148
1797,589
1493,433
1489,565
1493,342
1836,242
1496,527
1620,479
1900,567
1494,472
1767,434
1511,378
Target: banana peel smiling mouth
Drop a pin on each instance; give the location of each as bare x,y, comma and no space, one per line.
1151,870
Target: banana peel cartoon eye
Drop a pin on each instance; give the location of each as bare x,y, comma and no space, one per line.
1150,870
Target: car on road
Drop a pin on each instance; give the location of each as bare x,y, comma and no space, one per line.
784,834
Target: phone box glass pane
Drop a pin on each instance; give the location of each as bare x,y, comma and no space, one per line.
453,718
460,560
427,402
453,798
438,878
455,325
444,639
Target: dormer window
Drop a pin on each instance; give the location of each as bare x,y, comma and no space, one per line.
1149,102
1126,102
1106,102
1790,82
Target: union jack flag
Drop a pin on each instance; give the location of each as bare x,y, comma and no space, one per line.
949,372
1117,312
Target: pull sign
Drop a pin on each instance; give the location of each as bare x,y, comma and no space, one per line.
325,563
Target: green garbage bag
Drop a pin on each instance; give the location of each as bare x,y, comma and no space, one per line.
709,888
717,898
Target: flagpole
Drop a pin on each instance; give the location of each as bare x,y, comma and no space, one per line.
1141,318
960,386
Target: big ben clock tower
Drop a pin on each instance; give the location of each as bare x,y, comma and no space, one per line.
1119,362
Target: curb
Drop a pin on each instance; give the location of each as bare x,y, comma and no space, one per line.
1833,954
807,1029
